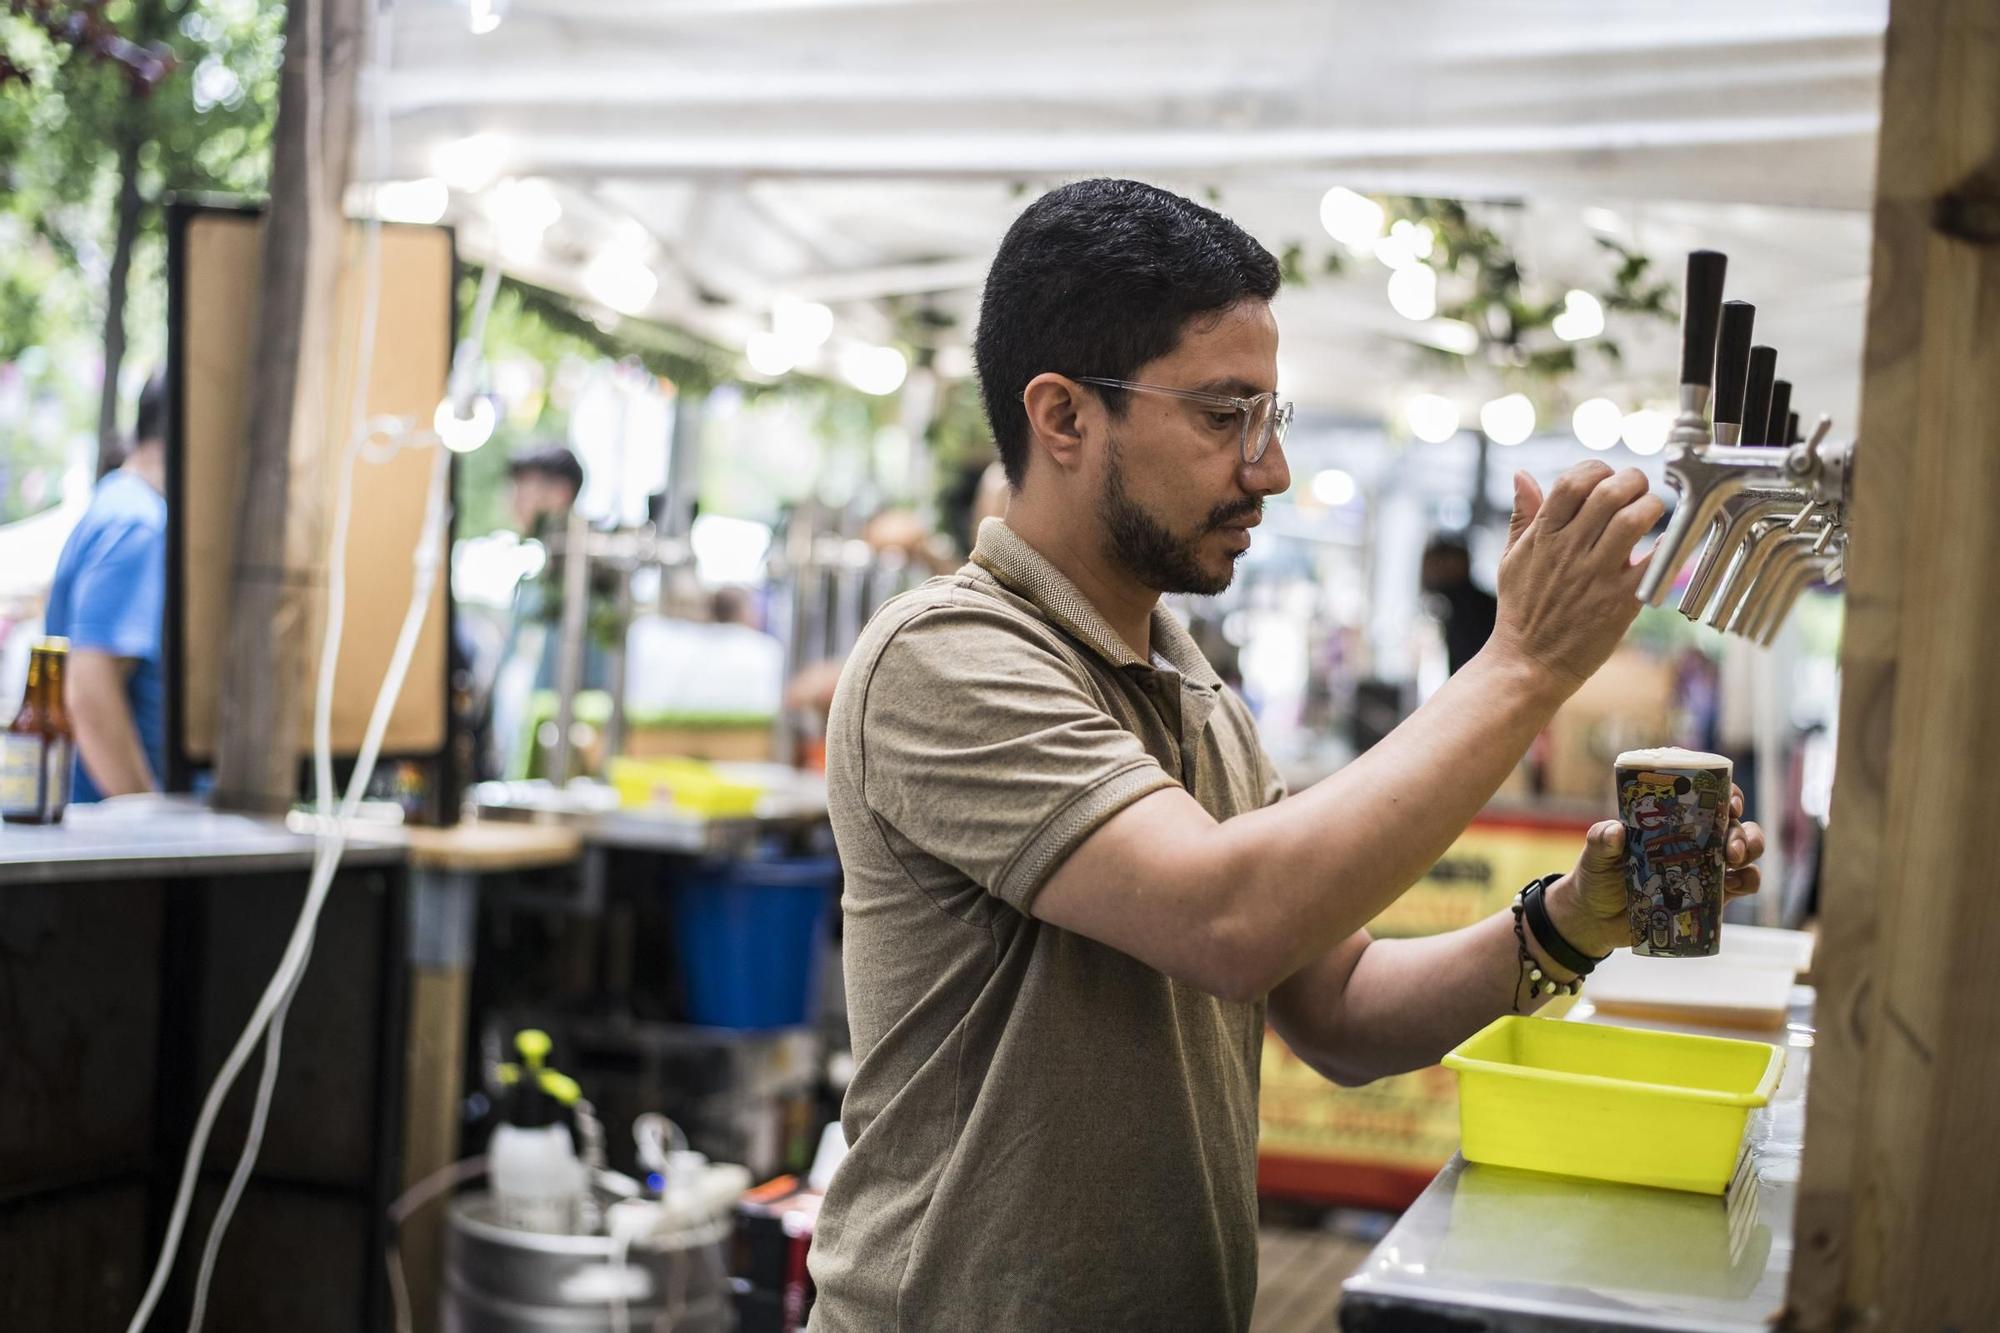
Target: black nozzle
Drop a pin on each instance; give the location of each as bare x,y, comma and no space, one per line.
1757,394
1701,310
1732,361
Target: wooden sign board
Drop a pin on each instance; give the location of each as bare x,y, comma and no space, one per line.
213,274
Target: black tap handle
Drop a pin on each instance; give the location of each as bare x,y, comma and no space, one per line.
1792,435
1701,308
1757,394
1732,361
1781,410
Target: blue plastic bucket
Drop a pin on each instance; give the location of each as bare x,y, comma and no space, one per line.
749,935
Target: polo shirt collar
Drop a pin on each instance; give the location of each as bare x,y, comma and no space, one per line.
1022,569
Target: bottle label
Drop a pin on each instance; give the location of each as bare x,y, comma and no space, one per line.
58,762
22,772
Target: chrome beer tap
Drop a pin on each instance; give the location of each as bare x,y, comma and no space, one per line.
1826,565
1757,512
1743,380
1707,474
1771,559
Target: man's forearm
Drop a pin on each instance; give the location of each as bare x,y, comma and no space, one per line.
1315,868
1400,1005
108,742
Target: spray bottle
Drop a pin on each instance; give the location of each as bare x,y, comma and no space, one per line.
539,1183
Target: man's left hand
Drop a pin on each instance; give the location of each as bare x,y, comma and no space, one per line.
1588,904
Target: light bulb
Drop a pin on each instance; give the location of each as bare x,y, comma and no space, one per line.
1433,418
1645,431
469,164
768,353
463,434
1413,292
1597,423
1508,420
1353,219
804,325
1582,317
420,201
874,370
521,211
620,279
1333,487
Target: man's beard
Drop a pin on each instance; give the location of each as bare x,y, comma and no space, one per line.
1152,554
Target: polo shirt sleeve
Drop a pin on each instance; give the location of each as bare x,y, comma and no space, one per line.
117,601
989,750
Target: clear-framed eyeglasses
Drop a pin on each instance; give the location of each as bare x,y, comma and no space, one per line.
1263,418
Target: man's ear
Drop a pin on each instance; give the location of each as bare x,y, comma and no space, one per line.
1056,406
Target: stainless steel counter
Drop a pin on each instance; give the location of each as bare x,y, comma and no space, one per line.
1491,1248
162,836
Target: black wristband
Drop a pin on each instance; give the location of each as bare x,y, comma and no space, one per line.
1560,950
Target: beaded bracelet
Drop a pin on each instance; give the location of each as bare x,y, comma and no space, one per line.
1538,982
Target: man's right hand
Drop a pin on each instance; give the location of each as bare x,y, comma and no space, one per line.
1568,583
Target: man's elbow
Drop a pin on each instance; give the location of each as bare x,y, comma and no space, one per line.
1239,962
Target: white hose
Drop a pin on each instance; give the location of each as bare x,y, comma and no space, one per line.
333,842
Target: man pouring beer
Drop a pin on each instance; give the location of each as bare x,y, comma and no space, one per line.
1076,890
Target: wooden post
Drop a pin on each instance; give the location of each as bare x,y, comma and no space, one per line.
280,568
1896,1224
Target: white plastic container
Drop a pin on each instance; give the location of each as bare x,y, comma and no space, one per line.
537,1179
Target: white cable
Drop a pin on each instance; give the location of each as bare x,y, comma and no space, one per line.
326,859
239,1180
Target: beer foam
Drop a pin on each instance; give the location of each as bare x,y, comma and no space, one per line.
1671,757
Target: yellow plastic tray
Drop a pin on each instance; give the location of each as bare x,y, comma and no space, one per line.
1610,1103
687,784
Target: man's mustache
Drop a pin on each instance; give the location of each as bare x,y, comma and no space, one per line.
1235,510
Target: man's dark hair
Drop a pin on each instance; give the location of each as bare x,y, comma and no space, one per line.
1098,278
150,421
553,461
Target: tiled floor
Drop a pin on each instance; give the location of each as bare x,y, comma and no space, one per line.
1299,1277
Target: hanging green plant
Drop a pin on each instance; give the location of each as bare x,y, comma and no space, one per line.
1485,287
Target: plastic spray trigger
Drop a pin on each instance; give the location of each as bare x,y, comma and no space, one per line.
561,1087
533,1044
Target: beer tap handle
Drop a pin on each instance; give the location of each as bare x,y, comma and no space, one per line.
1776,425
1701,307
1732,366
1792,435
1757,393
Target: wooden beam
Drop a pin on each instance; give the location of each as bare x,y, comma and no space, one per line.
1896,1228
280,568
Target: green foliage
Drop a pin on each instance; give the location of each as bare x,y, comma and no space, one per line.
201,119
1484,285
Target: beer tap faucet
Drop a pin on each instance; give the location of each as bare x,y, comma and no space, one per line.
1706,474
1825,564
1752,514
1776,544
1742,413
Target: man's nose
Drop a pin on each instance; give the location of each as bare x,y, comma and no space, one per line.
1269,475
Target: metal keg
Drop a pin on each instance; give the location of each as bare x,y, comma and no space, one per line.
500,1280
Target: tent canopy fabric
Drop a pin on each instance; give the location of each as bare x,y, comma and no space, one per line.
848,150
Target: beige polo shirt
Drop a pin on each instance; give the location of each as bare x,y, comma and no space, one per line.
1046,1133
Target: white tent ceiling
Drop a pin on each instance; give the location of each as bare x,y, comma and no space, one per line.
846,150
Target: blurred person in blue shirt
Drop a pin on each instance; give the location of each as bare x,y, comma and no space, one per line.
107,600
